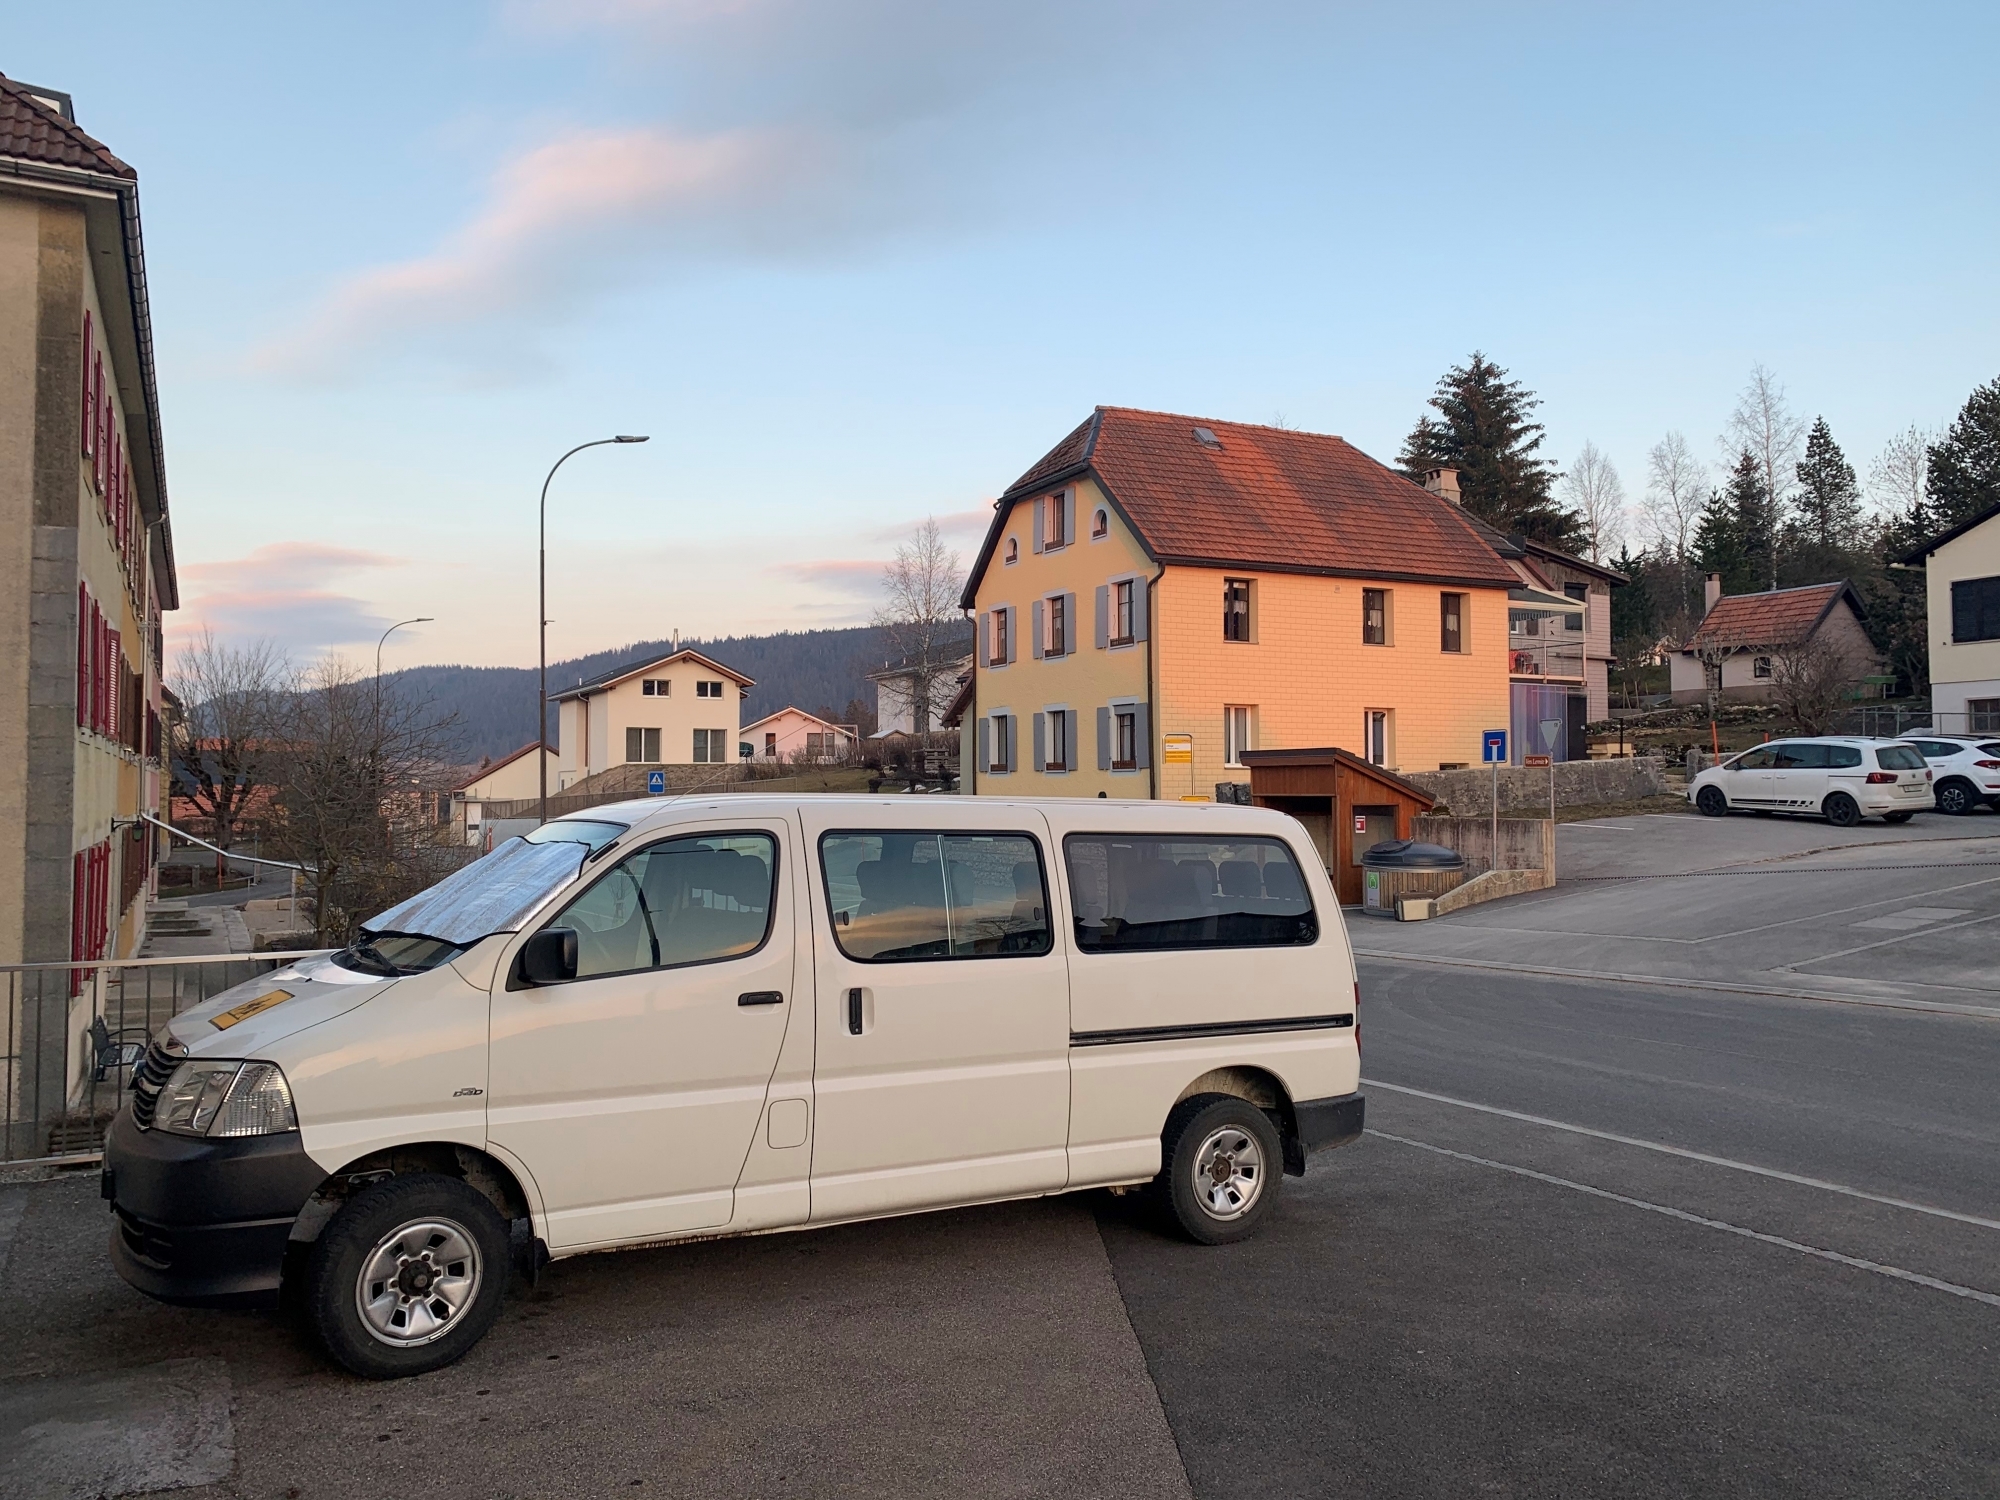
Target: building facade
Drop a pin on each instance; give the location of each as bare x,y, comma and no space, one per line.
673,710
86,555
793,734
512,778
1962,594
1738,648
1160,594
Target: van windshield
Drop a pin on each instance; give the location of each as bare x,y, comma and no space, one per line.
492,894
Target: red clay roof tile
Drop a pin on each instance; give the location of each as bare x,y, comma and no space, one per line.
31,131
1784,617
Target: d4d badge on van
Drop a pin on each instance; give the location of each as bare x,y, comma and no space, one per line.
736,1017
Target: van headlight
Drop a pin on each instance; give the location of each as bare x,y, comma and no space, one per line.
214,1097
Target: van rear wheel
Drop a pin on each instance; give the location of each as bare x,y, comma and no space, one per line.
1221,1163
1842,811
408,1276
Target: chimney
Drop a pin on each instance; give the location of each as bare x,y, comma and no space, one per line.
1442,482
1711,593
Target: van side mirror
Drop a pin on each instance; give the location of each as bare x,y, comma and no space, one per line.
549,957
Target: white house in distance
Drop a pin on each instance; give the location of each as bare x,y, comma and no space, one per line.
678,709
1962,587
1735,647
792,732
896,697
512,778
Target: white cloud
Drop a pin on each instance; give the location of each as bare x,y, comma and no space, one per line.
280,592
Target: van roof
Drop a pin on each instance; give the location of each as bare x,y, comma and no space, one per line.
643,811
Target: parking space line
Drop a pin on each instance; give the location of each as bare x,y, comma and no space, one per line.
1713,986
1901,937
1701,1156
1897,1272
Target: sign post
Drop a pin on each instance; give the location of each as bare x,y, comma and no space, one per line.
1493,749
1535,763
656,783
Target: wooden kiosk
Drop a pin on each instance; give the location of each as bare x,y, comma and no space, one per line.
1346,804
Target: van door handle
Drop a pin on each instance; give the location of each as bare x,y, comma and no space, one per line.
761,997
854,1013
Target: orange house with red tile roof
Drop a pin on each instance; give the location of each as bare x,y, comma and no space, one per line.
1160,593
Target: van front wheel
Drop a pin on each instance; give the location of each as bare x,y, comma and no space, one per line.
1221,1164
408,1276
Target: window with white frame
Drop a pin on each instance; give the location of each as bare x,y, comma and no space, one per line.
1100,525
1236,609
1054,511
642,746
655,687
1011,554
1000,743
1122,605
711,746
1375,736
1760,666
1124,739
1058,641
707,689
1061,732
1237,722
1000,619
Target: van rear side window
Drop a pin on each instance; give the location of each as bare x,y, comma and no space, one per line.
1143,892
900,897
1899,758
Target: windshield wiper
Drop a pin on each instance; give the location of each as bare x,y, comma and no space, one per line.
371,959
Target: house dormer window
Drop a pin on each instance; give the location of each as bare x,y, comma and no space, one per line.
1055,531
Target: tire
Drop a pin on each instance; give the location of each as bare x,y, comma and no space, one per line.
1221,1163
1897,817
426,1224
1956,797
1841,810
1711,802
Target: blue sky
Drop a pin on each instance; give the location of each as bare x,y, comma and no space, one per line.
851,265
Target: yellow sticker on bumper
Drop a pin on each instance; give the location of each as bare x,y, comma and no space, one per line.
223,1020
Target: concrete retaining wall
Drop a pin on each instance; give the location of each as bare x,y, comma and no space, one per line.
1525,843
1579,783
1491,887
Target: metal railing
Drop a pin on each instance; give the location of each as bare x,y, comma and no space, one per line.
1532,659
74,1030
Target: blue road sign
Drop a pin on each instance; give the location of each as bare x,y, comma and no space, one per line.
656,783
1495,745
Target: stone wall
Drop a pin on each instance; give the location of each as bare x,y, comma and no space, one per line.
1579,783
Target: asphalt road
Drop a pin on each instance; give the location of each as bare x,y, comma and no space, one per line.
1605,1237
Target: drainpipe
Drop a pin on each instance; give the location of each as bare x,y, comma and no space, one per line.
1156,730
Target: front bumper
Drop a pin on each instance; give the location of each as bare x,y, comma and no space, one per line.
1322,1125
201,1222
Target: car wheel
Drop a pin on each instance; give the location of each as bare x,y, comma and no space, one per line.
408,1276
1842,811
1896,817
1221,1163
1710,800
1956,798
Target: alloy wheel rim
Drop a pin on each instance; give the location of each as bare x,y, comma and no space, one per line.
1228,1172
417,1282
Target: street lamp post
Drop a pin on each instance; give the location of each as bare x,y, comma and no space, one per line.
375,750
419,620
542,618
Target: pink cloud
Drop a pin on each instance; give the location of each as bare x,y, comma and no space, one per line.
279,592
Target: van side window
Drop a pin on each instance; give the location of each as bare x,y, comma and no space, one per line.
1842,757
1898,758
1145,892
680,901
898,897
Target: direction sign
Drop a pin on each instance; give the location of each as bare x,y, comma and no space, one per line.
656,783
1537,762
1494,745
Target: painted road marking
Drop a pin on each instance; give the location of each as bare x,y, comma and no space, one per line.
1916,916
1914,1277
1701,1156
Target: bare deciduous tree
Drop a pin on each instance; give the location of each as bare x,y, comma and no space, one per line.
1764,426
1593,490
1812,683
224,746
1896,478
921,621
1676,490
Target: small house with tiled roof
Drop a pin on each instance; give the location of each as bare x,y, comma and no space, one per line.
1737,648
1159,594
674,708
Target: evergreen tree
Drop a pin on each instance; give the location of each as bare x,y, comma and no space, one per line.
1717,546
1828,506
1733,537
1964,469
1634,611
1485,430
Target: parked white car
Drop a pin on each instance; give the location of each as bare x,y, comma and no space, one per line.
1842,779
670,1021
1965,769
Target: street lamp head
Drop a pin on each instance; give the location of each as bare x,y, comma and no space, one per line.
422,620
628,438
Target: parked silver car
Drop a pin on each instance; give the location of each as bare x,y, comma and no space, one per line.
1965,769
1840,778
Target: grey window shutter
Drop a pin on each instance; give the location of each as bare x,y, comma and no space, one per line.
1013,633
1069,624
1139,592
1142,732
1035,623
1103,732
1103,616
985,744
1069,515
986,640
1041,742
1038,525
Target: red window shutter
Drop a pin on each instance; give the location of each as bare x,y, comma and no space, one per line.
117,495
89,405
82,655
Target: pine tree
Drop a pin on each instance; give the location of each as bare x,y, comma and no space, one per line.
1733,536
1964,469
1484,429
1828,506
1717,546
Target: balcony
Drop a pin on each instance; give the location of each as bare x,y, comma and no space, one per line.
1544,660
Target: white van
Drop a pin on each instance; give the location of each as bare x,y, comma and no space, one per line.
654,1021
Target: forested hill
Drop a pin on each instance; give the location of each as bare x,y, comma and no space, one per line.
817,670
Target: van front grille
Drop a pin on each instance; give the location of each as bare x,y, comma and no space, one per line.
148,1078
